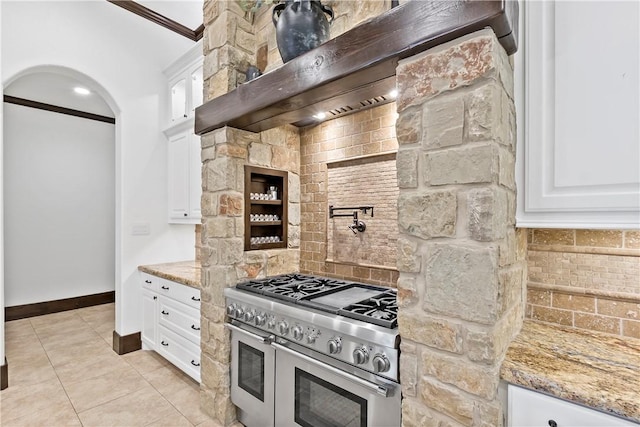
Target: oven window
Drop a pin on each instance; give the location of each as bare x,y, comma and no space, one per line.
251,370
322,404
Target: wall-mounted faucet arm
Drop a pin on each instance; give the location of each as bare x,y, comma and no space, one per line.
363,209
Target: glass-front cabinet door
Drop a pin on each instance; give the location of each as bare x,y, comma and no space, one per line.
196,88
178,100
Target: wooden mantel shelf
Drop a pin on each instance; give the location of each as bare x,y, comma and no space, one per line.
357,68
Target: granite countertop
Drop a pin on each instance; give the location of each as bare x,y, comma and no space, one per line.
593,369
185,272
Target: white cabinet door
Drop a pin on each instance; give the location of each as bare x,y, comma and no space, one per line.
178,95
181,352
531,409
149,319
577,86
179,176
195,177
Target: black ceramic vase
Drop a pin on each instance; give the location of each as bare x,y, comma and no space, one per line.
301,25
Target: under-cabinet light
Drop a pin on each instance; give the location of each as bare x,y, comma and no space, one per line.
320,116
81,90
393,94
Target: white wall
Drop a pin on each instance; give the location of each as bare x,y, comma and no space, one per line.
124,56
59,187
1,215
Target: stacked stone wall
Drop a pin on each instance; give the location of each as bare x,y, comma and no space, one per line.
229,48
461,284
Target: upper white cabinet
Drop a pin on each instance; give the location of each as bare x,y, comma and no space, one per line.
184,178
184,94
184,86
577,95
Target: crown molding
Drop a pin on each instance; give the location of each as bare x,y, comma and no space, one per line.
159,19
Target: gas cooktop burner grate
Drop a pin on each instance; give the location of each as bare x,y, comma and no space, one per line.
380,310
305,289
262,286
330,295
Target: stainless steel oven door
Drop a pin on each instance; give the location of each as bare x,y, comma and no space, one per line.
252,375
313,392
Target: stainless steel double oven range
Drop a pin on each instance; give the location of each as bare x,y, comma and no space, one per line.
314,352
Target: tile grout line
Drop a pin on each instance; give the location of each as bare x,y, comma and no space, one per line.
145,381
58,376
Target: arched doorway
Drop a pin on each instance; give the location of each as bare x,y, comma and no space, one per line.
59,179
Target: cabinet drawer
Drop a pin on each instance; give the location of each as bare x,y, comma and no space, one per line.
532,409
180,318
181,293
179,351
150,282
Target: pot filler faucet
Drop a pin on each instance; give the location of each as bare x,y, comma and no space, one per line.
357,224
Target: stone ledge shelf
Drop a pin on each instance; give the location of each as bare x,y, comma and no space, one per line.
356,69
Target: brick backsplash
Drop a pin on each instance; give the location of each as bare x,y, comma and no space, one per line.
350,161
364,183
586,279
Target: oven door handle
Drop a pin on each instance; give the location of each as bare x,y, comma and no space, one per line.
384,391
263,340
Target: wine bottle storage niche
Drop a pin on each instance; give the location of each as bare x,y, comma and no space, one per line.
265,213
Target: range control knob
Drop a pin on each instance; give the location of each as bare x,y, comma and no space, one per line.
334,345
239,312
283,327
261,319
298,332
381,363
249,315
312,335
271,324
360,356
231,310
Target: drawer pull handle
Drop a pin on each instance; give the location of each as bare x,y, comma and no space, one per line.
166,344
193,362
194,328
166,288
195,299
552,423
155,297
166,313
147,281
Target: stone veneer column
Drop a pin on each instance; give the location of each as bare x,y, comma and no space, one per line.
461,285
229,46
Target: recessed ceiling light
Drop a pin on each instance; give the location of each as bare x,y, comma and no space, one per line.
319,116
81,90
393,94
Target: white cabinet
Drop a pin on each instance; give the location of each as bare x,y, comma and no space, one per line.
528,408
171,322
150,321
578,107
184,85
184,178
184,94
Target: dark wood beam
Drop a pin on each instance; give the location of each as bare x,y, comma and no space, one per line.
159,19
342,70
199,32
57,109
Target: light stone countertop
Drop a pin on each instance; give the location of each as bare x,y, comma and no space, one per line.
185,272
593,369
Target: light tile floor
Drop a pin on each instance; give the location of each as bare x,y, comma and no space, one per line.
64,372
